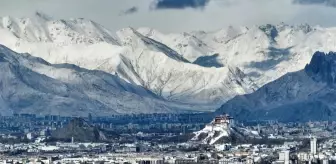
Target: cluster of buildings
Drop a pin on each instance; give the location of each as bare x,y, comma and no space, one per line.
29,126
58,147
286,153
144,140
290,131
92,159
323,153
225,121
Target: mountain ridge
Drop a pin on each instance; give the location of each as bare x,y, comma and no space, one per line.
298,96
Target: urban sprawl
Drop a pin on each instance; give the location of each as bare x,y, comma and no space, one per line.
162,138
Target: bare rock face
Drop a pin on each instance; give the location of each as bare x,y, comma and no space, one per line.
322,67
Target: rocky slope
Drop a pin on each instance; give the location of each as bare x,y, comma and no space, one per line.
308,94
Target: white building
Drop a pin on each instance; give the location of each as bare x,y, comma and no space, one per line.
284,157
150,161
325,161
30,136
303,156
313,145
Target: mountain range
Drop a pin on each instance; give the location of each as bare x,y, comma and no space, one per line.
175,72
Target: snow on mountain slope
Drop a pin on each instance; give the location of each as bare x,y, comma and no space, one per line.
219,37
308,94
76,41
204,68
32,85
263,52
185,44
40,28
140,61
134,39
175,78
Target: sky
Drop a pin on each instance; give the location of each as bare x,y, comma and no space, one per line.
179,15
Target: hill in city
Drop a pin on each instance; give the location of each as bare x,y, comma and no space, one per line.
80,131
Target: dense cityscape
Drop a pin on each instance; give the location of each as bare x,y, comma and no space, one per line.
28,138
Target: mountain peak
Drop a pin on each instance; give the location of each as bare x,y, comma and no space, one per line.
270,30
322,67
42,28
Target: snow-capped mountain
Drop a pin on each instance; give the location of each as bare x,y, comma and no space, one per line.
168,74
138,59
203,68
32,85
261,53
42,28
308,94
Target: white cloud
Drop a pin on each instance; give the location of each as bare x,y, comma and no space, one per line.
218,13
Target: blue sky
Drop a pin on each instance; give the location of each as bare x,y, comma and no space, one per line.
179,15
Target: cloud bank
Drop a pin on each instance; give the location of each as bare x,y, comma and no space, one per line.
330,3
180,4
179,15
